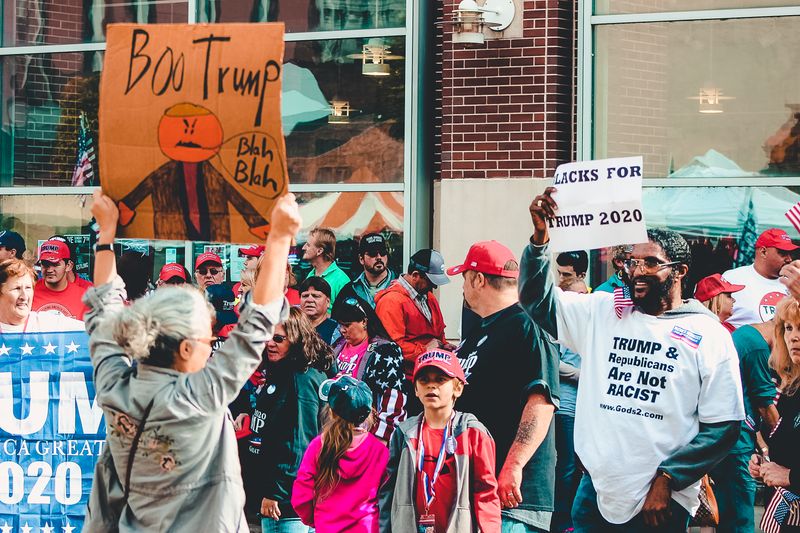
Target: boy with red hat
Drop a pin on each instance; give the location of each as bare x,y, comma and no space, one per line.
441,464
54,291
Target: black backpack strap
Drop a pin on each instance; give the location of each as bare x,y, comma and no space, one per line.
134,446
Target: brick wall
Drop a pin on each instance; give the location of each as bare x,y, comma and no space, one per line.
506,109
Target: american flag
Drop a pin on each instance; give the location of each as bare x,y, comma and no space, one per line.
793,214
783,509
84,172
622,300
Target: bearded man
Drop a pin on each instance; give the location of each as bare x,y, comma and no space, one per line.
660,400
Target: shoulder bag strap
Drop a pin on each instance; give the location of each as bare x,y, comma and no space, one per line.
134,446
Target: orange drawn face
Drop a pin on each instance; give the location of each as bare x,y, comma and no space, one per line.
189,133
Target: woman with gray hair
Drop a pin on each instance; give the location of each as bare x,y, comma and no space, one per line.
170,462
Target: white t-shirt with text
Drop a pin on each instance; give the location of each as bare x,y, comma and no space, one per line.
646,384
44,322
757,301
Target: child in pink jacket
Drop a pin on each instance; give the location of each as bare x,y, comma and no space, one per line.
336,488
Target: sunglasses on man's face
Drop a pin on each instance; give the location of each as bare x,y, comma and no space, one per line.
213,271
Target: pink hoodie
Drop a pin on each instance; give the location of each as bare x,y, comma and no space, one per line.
352,506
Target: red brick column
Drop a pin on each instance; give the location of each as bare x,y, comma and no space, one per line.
505,110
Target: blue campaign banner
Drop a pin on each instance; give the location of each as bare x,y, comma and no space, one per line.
51,431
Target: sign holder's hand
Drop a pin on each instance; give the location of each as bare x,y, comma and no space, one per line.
106,214
790,276
285,220
542,209
656,511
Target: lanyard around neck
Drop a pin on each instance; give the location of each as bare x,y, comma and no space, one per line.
428,483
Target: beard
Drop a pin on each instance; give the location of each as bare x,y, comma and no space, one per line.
376,269
657,294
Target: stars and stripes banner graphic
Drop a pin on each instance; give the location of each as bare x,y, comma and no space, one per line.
622,300
783,509
793,214
51,431
83,174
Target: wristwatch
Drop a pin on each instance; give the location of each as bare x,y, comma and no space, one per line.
102,247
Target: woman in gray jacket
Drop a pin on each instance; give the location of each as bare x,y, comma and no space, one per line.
167,416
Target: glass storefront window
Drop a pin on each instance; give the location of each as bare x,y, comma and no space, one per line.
51,22
308,15
614,7
367,145
349,214
43,96
700,99
720,223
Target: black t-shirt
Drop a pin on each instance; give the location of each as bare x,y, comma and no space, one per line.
506,358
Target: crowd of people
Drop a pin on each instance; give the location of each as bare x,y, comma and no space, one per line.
337,404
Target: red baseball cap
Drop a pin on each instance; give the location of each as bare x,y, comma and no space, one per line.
488,257
445,361
54,251
251,251
776,238
172,270
208,257
713,285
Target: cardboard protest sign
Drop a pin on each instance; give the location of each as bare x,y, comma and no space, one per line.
599,204
190,129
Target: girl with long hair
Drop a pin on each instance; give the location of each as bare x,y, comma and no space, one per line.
337,484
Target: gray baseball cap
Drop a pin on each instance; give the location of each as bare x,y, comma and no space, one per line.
431,263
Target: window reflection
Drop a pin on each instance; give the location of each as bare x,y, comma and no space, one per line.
348,214
613,7
684,96
53,22
307,15
42,98
721,224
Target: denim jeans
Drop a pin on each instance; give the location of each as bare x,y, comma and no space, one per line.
735,491
566,473
586,517
284,525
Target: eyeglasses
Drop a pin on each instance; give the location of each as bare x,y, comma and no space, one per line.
213,271
205,340
377,253
649,265
278,338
